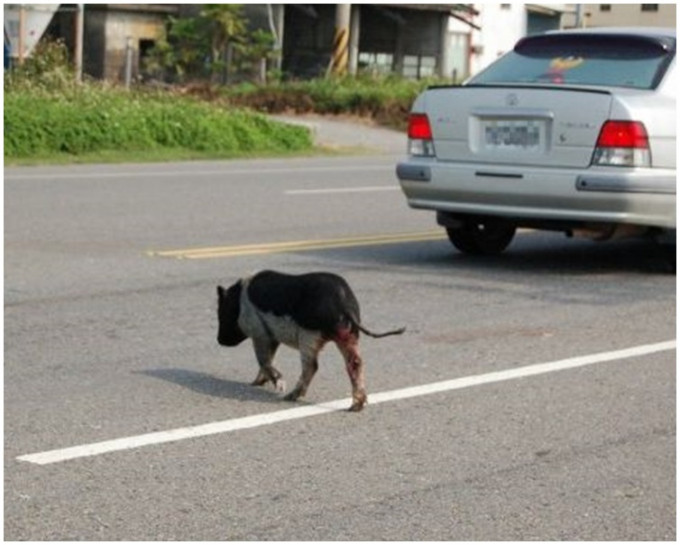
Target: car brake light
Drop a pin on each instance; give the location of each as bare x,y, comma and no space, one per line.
419,127
420,136
622,143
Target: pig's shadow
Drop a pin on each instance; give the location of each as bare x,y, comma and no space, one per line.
207,384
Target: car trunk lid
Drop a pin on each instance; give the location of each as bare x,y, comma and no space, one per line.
517,125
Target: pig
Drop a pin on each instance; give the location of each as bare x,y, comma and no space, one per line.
304,312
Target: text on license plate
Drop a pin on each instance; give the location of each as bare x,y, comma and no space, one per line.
512,134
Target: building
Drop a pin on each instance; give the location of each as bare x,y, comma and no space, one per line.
116,37
25,25
409,39
495,28
649,15
406,39
413,40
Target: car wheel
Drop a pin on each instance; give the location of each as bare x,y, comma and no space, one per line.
488,237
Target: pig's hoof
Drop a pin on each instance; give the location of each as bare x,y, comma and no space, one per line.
293,396
356,407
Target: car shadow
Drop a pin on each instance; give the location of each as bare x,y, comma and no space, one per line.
207,384
529,253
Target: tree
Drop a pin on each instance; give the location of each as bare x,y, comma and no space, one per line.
260,48
227,28
215,44
182,53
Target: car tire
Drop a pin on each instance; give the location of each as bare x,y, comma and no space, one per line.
670,257
487,237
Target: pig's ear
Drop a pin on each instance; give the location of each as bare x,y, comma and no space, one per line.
220,291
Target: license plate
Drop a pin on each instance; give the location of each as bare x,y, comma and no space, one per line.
503,134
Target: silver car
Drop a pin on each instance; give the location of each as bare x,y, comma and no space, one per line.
571,131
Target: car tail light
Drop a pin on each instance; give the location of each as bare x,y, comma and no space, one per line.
622,143
420,136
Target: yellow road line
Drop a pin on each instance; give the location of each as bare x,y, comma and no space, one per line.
298,246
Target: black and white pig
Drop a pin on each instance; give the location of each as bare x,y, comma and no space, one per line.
302,311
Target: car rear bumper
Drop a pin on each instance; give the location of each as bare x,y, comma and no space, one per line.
603,195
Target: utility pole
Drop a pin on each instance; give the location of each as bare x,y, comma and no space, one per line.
580,16
355,24
340,54
80,18
276,28
128,62
22,33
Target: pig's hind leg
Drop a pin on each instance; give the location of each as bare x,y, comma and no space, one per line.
348,344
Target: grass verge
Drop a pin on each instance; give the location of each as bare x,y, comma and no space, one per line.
93,123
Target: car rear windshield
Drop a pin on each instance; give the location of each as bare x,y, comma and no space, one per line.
583,59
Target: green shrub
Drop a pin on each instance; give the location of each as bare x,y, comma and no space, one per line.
47,113
92,118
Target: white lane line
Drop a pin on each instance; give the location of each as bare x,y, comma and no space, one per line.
191,174
236,424
332,190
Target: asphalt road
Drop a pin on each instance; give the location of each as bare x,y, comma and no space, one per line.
110,275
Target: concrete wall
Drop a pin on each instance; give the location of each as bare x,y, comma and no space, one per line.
629,15
501,26
141,28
